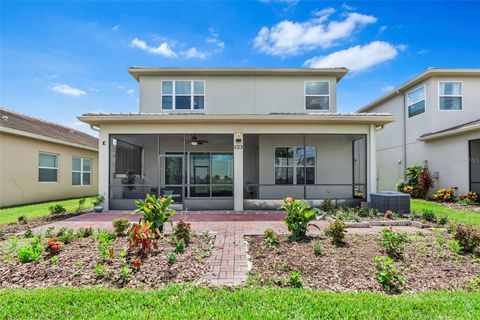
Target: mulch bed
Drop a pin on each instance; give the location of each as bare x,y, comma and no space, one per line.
16,227
77,260
458,206
427,265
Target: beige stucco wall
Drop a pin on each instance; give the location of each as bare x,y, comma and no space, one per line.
19,171
240,95
446,156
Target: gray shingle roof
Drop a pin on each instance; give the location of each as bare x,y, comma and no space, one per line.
18,121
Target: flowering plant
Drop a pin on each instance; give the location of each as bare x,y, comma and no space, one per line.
53,246
142,238
299,215
471,196
156,211
445,195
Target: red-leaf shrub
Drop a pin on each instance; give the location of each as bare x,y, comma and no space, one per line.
54,246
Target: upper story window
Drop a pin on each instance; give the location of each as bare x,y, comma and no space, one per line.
450,95
416,101
183,94
81,171
47,167
317,95
295,166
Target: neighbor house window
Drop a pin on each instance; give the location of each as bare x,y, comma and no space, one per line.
81,171
416,101
47,167
295,165
450,95
183,94
317,95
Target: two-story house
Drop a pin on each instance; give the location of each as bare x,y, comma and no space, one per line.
437,119
236,139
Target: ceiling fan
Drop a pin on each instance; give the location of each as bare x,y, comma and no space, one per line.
194,141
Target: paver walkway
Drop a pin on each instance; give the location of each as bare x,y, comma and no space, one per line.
228,261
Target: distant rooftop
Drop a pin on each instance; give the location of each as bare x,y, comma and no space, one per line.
136,72
18,121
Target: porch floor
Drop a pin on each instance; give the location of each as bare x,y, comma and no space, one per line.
228,260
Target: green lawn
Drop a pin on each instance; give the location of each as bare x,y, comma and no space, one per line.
463,216
8,215
183,302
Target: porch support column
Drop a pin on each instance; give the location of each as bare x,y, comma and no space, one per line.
103,167
238,171
372,162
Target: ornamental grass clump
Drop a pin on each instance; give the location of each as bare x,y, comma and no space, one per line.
299,216
155,211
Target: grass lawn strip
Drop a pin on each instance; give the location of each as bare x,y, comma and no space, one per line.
10,215
456,216
185,302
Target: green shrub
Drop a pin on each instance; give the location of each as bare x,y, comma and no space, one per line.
57,209
50,232
65,235
125,273
299,216
445,195
393,242
99,200
336,230
474,284
155,211
54,260
271,237
454,246
28,233
182,231
30,252
120,226
442,219
388,275
105,238
367,213
429,215
327,205
22,219
468,238
295,279
84,232
99,270
172,258
317,248
180,246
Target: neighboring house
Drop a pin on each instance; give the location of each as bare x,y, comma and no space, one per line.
438,120
227,138
41,161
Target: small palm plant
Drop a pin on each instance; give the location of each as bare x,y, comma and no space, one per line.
299,216
155,211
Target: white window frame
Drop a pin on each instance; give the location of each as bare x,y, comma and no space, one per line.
411,104
305,95
449,95
56,168
81,171
191,95
294,166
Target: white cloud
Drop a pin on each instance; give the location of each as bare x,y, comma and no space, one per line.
194,53
357,58
163,49
423,51
68,90
214,38
115,27
130,92
291,38
382,29
387,88
347,7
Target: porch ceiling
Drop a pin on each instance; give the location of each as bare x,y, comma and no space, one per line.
277,118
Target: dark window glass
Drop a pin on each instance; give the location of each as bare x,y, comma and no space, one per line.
167,102
416,108
222,191
451,103
317,103
183,102
283,175
200,191
47,175
284,156
198,102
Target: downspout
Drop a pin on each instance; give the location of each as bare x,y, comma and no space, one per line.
404,136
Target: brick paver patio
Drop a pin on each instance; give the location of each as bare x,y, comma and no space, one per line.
229,260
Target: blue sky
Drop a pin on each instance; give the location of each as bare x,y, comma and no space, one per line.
61,59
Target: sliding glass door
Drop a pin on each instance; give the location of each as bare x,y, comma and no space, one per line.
210,174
